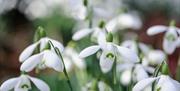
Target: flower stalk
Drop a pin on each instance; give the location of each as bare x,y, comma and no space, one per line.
65,72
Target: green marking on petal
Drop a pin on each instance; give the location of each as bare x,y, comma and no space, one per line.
171,37
110,55
25,86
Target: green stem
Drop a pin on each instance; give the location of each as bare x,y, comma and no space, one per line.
114,73
65,72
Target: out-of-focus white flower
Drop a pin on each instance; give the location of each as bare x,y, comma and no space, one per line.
171,39
133,72
23,83
6,5
156,57
87,31
100,84
152,57
46,57
163,83
77,9
71,58
124,21
110,53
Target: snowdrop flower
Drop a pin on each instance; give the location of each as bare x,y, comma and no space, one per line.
150,56
72,59
23,83
46,57
27,52
156,57
100,85
133,72
87,31
42,60
124,21
110,53
77,9
163,83
171,39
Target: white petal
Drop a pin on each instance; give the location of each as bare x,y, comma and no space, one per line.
53,61
124,66
9,84
57,44
128,54
102,40
167,84
156,29
27,52
126,77
169,46
81,33
156,57
178,41
105,63
31,63
89,51
41,85
144,48
111,26
143,84
140,72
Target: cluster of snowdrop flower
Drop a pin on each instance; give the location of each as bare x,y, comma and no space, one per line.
43,53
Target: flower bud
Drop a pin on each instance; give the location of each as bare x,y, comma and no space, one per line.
165,69
40,33
101,24
85,2
109,37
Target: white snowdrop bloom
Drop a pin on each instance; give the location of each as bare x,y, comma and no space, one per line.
87,31
110,53
132,72
72,59
125,78
136,46
23,83
124,21
7,5
171,37
156,57
77,9
100,84
152,57
27,52
162,83
42,60
46,57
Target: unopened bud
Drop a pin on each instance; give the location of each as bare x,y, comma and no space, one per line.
109,37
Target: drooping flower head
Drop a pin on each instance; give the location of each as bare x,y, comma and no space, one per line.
23,83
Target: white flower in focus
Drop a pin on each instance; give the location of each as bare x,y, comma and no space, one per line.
162,83
27,52
42,60
110,53
171,38
71,59
46,57
124,21
23,83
